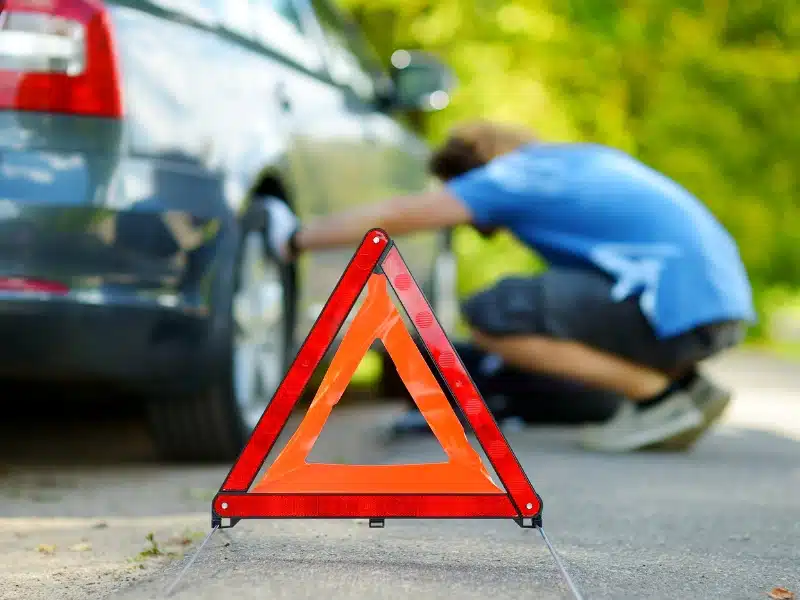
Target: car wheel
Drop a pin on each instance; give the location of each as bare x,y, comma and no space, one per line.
216,423
263,326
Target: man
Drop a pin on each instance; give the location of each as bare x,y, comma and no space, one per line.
643,284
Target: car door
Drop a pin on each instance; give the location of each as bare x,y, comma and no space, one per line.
395,158
337,168
321,129
301,123
357,79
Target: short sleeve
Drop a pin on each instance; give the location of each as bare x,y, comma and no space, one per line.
511,186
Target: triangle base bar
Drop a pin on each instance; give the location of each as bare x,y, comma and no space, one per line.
344,506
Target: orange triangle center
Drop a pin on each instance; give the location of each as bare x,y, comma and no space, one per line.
463,472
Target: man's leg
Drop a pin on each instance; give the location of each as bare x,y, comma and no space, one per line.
564,323
576,361
710,398
537,398
520,396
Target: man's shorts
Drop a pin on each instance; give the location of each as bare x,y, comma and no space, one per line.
576,305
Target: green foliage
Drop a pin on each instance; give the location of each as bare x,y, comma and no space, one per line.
705,91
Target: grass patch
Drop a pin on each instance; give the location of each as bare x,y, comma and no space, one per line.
153,550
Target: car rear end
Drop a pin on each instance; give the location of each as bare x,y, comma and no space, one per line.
95,283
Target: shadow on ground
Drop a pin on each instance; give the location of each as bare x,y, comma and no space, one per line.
48,426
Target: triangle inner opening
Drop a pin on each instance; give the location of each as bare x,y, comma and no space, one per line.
358,434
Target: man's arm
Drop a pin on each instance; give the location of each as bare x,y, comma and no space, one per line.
397,216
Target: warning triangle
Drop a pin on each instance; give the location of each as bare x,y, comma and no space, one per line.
378,318
460,487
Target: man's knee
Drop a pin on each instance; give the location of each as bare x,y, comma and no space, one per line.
477,311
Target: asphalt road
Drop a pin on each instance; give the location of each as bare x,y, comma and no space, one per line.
720,522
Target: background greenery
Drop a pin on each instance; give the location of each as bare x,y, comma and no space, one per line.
705,91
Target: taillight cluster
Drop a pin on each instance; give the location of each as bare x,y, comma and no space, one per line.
58,56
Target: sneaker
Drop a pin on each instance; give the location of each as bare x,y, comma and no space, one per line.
712,400
635,428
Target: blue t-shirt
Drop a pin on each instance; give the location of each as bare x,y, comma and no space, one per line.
586,205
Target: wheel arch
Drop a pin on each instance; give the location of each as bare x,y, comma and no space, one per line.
270,182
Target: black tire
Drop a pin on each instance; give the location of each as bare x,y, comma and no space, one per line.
208,426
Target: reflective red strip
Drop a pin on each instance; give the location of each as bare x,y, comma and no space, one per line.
310,506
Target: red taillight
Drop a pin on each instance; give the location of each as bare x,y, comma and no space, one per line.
58,56
32,286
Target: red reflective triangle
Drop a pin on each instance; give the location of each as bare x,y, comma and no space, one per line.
458,488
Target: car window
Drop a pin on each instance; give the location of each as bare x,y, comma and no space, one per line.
203,12
238,15
277,25
350,62
287,9
233,15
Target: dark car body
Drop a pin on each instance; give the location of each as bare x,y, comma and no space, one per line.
132,161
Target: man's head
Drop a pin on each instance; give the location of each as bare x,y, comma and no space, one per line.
472,145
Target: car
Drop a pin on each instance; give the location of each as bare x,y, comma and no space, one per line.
138,142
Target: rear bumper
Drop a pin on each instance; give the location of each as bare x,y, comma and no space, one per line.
136,346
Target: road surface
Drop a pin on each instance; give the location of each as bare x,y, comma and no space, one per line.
720,522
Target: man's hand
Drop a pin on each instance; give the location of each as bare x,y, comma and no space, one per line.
282,224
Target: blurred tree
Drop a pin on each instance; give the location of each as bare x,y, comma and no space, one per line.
706,91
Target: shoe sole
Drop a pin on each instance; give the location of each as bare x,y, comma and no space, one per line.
651,437
712,411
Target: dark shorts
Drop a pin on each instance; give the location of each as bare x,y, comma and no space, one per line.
576,305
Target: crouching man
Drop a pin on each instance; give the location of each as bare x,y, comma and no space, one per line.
643,284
